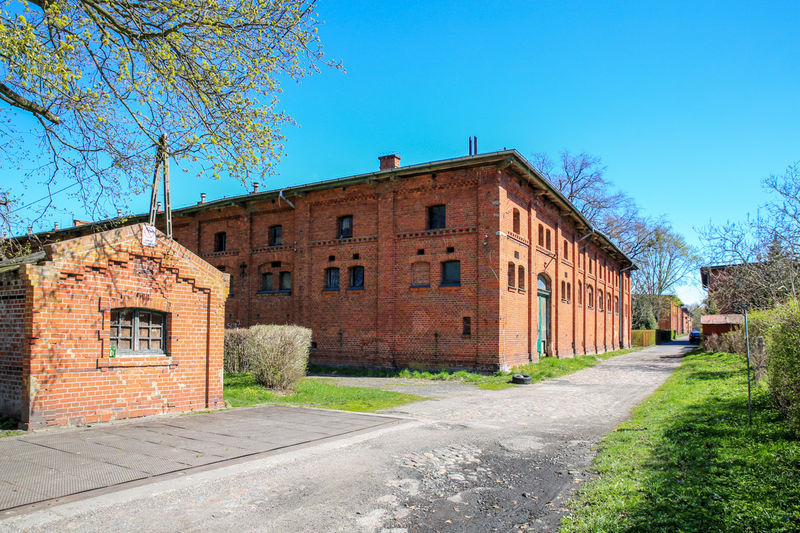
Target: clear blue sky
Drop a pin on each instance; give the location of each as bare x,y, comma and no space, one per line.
689,104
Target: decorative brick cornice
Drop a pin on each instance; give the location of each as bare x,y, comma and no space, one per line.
351,240
268,249
519,238
436,232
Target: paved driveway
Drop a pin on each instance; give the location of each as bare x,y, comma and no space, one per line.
57,464
470,460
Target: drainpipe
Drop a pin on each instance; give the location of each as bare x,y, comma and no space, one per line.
622,306
282,197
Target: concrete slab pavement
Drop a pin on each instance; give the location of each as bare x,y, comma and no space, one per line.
64,464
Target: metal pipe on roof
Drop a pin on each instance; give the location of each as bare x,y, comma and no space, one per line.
281,196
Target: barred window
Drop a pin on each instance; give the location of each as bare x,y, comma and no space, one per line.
135,331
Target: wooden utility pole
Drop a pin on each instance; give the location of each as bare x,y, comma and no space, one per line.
162,163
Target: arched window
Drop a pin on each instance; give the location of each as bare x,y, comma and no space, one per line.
547,239
512,275
589,296
516,220
521,277
542,283
541,235
566,250
569,292
579,292
590,265
600,300
332,278
609,304
563,290
616,305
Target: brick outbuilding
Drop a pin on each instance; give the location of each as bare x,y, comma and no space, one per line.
472,262
109,326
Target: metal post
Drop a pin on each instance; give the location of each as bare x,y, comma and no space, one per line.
747,343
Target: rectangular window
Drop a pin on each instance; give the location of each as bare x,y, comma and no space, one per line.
138,331
332,278
466,326
220,241
512,275
356,277
451,273
285,281
437,215
266,281
275,235
345,227
521,278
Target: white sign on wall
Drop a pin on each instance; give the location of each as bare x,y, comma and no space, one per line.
148,235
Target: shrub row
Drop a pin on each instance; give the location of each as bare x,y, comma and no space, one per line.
774,352
276,355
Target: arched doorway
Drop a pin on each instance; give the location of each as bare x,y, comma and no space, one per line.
543,326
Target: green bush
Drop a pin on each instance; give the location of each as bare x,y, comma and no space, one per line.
783,361
236,358
278,355
664,335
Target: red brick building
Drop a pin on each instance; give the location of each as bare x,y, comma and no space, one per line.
105,327
472,262
675,316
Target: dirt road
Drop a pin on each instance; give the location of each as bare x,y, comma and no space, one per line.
469,460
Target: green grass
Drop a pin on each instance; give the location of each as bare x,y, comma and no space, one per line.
548,367
8,427
688,461
241,390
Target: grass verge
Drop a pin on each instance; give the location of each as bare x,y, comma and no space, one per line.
241,390
546,368
688,461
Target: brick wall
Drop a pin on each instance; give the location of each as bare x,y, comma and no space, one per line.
12,329
69,376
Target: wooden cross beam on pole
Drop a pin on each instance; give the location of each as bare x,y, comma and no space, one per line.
162,163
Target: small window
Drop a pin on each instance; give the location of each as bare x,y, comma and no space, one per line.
512,275
345,227
589,296
356,277
616,305
466,326
285,281
600,300
356,256
220,241
547,239
450,249
421,274
332,278
437,215
230,285
608,307
566,250
266,282
580,293
569,292
541,235
516,221
521,278
421,251
590,265
451,273
563,290
138,331
275,235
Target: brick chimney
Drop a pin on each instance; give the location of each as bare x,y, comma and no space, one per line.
389,161
76,222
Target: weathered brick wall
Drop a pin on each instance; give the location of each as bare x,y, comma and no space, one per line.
73,379
12,348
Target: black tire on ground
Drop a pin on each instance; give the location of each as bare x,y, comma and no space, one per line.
521,379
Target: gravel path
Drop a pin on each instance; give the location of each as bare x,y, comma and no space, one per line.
469,460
